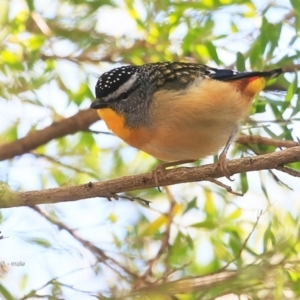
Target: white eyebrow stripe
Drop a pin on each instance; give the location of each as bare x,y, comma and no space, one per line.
123,88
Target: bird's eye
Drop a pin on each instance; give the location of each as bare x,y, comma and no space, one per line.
124,96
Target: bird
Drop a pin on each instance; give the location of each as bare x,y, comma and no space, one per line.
178,112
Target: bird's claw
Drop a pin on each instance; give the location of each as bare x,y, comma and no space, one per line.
159,170
222,163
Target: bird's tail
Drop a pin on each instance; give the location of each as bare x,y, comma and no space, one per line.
250,83
229,75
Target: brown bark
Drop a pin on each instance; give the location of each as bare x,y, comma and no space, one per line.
81,121
110,188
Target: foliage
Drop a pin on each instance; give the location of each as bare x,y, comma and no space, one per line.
194,241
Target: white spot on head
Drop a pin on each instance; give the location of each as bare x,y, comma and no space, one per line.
123,88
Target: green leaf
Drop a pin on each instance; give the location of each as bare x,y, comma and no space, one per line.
269,239
235,243
296,6
209,206
24,282
234,28
244,183
213,52
191,204
35,42
30,4
208,224
234,215
240,62
5,293
296,109
41,242
291,91
11,59
179,252
4,11
259,106
255,55
11,134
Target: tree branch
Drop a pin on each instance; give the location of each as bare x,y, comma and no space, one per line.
81,121
291,68
144,181
259,140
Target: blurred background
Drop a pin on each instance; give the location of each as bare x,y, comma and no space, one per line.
195,240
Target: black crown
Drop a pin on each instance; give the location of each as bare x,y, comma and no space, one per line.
110,81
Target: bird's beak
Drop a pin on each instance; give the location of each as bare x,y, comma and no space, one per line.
98,103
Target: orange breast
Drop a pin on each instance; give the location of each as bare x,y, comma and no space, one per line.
116,123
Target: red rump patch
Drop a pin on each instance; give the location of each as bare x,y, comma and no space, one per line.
252,78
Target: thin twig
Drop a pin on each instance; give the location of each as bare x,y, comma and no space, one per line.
67,166
133,198
226,187
164,242
279,181
244,244
99,253
259,140
289,171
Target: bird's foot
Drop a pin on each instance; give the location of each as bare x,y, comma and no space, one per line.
160,170
222,163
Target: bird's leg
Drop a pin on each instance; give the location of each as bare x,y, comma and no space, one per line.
161,168
222,161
